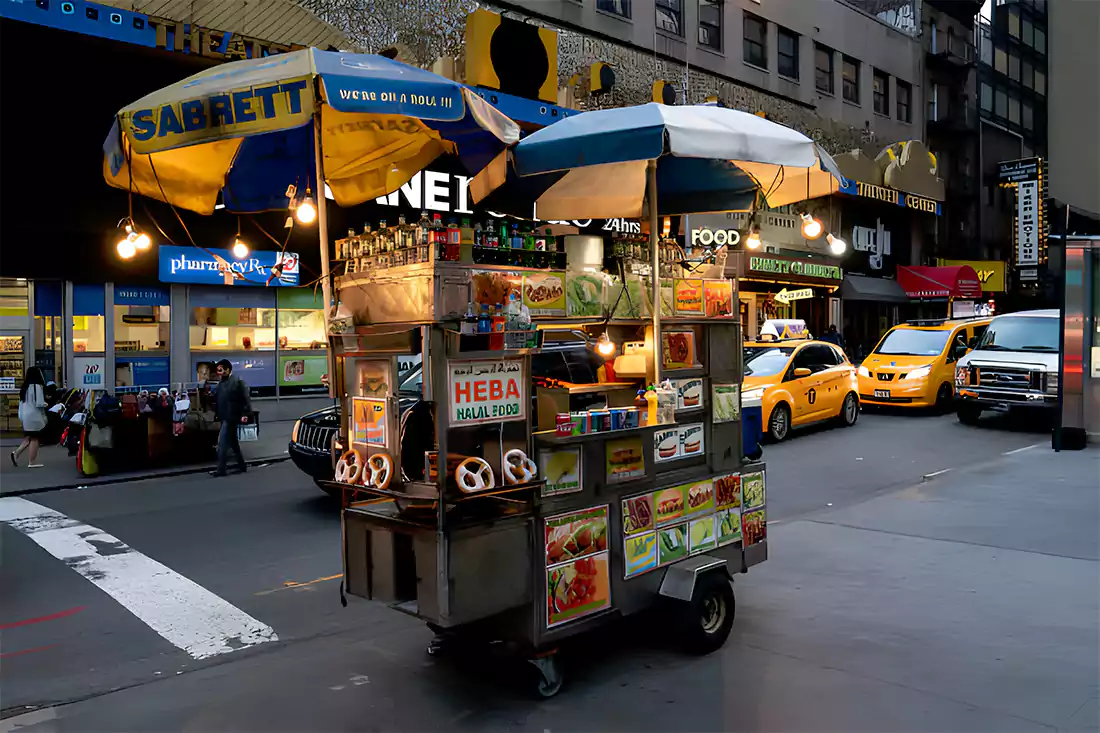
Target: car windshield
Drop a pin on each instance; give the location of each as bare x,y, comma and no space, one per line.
766,362
1021,333
913,342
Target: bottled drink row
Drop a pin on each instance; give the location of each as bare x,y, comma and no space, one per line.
430,240
498,327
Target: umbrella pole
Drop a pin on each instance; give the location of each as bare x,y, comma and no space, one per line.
655,277
322,234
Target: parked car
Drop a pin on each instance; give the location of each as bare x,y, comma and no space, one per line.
799,383
311,441
1014,366
913,365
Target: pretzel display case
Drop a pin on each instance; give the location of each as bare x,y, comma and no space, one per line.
559,505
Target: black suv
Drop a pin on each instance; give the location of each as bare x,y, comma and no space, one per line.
311,442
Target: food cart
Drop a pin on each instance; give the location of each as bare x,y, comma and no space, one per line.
546,520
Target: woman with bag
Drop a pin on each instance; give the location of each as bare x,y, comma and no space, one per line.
32,413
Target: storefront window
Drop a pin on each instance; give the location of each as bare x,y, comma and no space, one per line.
232,329
13,297
141,327
88,333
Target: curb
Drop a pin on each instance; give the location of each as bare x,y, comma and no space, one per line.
169,473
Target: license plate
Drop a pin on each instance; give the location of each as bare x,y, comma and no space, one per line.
883,393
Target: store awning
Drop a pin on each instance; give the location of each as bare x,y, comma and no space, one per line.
874,289
940,282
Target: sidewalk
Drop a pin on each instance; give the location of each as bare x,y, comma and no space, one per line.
59,470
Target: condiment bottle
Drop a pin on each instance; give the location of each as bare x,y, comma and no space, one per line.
651,405
642,404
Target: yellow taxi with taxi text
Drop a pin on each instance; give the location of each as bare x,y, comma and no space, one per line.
798,381
913,364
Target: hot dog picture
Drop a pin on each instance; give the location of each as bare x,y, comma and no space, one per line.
569,536
727,491
700,497
638,514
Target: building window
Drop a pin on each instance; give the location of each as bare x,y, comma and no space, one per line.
1000,61
88,334
1029,33
881,96
141,327
788,54
710,24
1040,82
620,8
987,98
233,329
905,101
1014,110
756,41
670,16
1013,24
1014,67
987,50
850,74
1027,117
823,68
1026,76
1040,41
1000,103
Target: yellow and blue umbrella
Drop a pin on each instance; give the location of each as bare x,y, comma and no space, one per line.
247,130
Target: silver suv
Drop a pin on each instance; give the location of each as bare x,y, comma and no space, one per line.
1013,366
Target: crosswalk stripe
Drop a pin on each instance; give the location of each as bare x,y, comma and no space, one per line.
180,610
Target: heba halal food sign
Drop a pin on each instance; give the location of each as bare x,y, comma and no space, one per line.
487,391
704,237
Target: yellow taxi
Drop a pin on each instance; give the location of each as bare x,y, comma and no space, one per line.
799,382
913,364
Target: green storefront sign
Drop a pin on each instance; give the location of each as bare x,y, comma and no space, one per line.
798,268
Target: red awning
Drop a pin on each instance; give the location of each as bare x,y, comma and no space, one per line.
959,281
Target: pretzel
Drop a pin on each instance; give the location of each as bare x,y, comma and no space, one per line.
473,475
349,467
518,468
378,471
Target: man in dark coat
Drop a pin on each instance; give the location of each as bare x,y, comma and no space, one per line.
833,337
234,407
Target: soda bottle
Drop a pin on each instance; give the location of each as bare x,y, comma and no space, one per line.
454,241
484,321
439,237
496,340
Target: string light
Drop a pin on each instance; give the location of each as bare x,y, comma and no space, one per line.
306,211
134,241
752,240
240,249
811,227
126,248
836,245
605,346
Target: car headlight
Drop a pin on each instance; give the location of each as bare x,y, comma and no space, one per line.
753,394
1051,383
919,373
294,432
864,371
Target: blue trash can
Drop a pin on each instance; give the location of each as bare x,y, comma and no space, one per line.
752,430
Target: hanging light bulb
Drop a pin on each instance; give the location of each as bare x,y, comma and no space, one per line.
126,248
752,241
306,212
605,346
811,227
836,245
141,240
240,249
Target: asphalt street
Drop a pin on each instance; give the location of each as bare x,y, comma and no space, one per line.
885,606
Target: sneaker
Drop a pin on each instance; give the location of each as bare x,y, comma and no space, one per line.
35,465
14,461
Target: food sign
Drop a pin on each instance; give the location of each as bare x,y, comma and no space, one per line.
544,293
577,580
678,349
487,391
687,297
624,459
718,297
368,424
562,471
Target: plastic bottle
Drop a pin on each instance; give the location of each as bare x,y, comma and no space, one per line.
651,405
496,340
642,404
439,237
484,322
469,321
517,240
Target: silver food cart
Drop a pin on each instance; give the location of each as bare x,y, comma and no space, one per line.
521,507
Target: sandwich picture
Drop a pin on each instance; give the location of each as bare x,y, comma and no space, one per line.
669,504
691,440
624,459
691,393
700,497
667,444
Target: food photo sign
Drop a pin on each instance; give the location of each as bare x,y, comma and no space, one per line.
664,526
562,471
486,391
578,581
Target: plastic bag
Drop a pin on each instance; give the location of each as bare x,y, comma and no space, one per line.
85,461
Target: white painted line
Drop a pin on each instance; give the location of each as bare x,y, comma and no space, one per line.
934,474
183,612
1021,450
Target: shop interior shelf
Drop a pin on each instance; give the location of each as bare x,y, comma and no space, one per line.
551,437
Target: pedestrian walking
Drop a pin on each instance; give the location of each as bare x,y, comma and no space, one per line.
832,336
234,407
32,413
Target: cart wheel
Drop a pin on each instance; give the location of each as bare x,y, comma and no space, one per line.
549,679
705,621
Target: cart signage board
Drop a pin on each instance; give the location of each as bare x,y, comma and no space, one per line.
638,514
666,445
729,526
689,393
754,521
625,459
487,391
577,566
544,293
368,421
752,486
701,535
562,471
691,440
687,297
726,399
727,491
718,296
672,544
640,553
700,498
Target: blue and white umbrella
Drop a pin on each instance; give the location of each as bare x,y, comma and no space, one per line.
704,159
